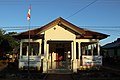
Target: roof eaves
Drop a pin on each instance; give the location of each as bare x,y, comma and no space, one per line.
60,21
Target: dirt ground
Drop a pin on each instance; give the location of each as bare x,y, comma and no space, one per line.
9,71
3,65
102,74
59,77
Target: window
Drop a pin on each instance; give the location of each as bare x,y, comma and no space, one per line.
34,48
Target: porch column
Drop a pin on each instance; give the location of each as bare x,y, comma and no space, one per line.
92,50
79,49
45,57
72,51
87,50
20,54
98,49
79,53
40,47
74,57
27,51
39,54
47,50
83,50
20,49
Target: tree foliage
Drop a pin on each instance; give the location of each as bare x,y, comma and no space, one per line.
7,43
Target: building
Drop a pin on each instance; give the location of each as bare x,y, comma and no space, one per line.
112,49
111,52
61,45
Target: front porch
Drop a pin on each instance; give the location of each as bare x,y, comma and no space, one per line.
68,56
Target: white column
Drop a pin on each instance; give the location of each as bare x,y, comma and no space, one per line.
98,49
83,50
92,50
72,51
40,47
39,54
74,57
79,53
79,50
20,49
47,45
71,55
47,51
87,50
27,51
45,57
74,45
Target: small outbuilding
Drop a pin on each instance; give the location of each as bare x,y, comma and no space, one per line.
111,52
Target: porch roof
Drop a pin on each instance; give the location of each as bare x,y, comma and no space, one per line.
79,32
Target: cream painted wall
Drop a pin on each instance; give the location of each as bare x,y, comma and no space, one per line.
58,33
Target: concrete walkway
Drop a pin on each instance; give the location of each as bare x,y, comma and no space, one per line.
59,77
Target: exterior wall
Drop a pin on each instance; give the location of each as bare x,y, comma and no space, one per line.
111,52
59,33
118,51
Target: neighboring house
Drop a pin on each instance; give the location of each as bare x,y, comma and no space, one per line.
112,49
61,45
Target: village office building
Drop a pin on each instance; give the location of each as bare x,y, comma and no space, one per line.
59,45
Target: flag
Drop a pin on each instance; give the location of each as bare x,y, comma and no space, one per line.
28,17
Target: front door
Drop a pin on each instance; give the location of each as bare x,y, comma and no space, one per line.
60,56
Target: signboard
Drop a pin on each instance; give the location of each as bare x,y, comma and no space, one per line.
92,60
34,61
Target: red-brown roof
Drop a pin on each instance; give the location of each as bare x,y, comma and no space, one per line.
62,22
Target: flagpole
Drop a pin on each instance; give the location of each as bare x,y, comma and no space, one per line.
29,40
29,50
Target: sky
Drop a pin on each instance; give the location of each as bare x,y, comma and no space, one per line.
97,15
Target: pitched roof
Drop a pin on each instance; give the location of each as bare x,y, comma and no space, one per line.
113,44
69,26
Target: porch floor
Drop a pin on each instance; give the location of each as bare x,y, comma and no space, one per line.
59,77
59,71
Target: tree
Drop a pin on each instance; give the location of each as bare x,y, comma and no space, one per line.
7,43
2,32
